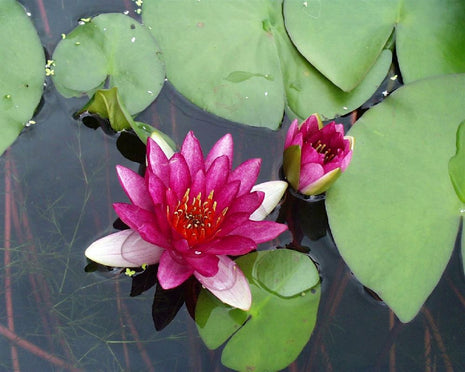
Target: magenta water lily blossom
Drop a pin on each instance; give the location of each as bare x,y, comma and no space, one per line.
189,213
315,155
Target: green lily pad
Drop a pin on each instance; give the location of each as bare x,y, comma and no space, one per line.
112,46
343,39
286,272
277,327
22,73
394,213
234,59
457,164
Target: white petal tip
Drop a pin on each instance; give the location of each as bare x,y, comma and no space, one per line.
274,191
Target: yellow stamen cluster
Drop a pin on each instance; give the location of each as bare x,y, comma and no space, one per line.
196,220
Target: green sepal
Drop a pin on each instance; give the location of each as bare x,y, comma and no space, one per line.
291,165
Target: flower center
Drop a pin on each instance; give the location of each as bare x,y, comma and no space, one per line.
324,149
196,220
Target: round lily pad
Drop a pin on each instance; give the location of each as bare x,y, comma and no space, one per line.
286,272
22,73
343,39
274,331
394,213
235,60
111,47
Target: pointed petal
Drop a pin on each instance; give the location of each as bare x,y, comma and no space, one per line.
157,189
232,221
180,178
232,245
247,173
291,133
224,146
259,231
192,152
310,155
311,125
171,273
157,161
198,184
217,174
274,191
143,221
247,203
225,195
309,174
322,184
204,264
124,248
229,284
134,186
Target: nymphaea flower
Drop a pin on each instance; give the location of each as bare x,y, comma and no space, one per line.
189,213
315,155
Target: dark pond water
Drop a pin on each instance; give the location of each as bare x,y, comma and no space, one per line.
57,185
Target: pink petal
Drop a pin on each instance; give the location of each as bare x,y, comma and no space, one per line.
171,273
224,146
229,284
247,203
204,264
217,174
180,178
310,155
125,248
157,161
198,184
231,222
298,140
157,189
163,225
345,162
192,152
259,231
225,195
232,245
310,126
143,221
310,173
322,184
247,173
135,188
291,133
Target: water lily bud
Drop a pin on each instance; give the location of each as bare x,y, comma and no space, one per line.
315,155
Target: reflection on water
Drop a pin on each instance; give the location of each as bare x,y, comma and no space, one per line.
58,183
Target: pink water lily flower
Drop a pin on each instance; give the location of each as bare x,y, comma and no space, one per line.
315,155
189,213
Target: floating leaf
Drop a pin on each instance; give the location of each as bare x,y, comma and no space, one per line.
114,46
22,72
286,272
457,164
394,213
256,73
429,36
277,328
